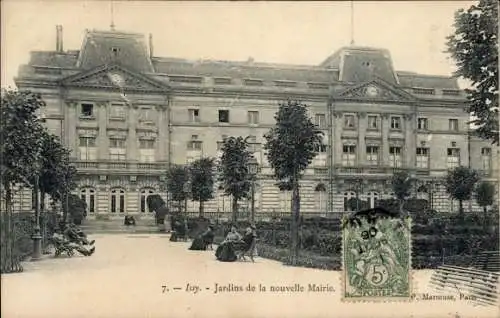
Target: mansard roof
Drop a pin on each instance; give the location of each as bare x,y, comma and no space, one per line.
346,67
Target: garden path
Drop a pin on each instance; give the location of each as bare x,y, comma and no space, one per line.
124,278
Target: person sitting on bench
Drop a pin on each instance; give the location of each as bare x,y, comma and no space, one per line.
129,220
225,252
76,235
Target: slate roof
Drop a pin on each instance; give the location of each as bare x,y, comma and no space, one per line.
349,65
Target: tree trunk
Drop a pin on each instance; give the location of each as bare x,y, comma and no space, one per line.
294,230
401,207
461,207
7,258
235,209
485,217
200,215
65,209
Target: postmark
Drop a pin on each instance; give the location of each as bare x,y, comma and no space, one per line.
376,260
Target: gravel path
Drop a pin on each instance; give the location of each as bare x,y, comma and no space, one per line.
124,278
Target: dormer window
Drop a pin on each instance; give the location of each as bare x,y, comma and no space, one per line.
87,110
115,50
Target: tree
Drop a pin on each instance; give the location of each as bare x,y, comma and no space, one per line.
485,195
202,181
77,209
474,47
177,180
56,174
460,183
401,185
291,146
233,167
156,204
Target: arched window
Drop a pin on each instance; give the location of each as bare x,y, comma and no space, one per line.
145,193
321,198
373,197
348,196
117,201
88,196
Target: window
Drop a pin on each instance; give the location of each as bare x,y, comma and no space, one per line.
194,143
253,145
453,124
320,120
87,148
453,159
194,115
372,122
372,155
423,158
320,148
144,200
286,201
117,111
373,198
349,156
395,158
486,159
422,124
396,122
349,121
87,110
223,116
253,117
347,198
117,149
88,196
321,198
117,201
146,115
146,150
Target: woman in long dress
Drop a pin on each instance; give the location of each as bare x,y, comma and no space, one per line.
225,251
201,242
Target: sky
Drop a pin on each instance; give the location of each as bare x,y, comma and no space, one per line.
280,32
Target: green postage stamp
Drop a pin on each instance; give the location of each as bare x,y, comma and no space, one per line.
376,256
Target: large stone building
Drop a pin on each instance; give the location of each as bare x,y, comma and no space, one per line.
127,114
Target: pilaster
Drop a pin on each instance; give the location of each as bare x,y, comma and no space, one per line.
163,135
103,140
338,125
385,139
410,151
132,148
362,124
70,121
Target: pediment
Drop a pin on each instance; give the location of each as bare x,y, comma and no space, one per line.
376,90
115,77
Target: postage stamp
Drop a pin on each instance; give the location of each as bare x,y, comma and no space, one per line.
376,262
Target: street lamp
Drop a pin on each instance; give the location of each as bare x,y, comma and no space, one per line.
253,167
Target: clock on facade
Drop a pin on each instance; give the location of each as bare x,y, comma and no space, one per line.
116,79
372,91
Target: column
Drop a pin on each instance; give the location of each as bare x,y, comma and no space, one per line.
102,139
385,139
70,128
362,124
132,141
410,151
338,138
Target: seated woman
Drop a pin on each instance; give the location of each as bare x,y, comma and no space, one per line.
226,250
204,240
76,235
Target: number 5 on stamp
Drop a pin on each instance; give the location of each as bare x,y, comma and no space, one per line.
376,256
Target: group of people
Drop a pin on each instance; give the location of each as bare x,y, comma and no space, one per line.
69,238
233,246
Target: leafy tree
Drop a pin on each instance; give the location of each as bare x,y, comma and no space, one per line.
291,146
21,134
233,167
202,181
460,183
485,195
177,179
77,209
57,174
474,47
156,204
401,183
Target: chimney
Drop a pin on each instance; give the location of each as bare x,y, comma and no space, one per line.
150,45
59,38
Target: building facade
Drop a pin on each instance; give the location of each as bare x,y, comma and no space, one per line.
127,115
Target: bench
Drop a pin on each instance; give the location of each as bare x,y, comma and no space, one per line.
487,261
473,284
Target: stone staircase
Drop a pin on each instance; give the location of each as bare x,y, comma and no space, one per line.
117,226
